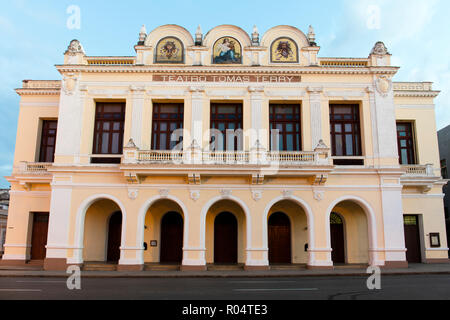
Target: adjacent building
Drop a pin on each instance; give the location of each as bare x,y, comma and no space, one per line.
4,204
226,148
444,149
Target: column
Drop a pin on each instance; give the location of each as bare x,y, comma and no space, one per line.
138,95
256,101
197,115
315,95
58,230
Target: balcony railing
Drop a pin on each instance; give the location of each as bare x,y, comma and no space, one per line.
226,157
419,170
33,168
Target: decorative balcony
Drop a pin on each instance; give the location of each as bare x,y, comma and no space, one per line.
420,176
29,173
257,162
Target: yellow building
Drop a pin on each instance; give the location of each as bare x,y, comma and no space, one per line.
226,149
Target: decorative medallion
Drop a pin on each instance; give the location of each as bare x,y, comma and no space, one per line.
195,195
226,192
384,85
169,50
284,50
164,192
133,194
287,193
227,50
319,195
257,195
69,84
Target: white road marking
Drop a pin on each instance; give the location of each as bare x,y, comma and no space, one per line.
262,290
41,281
264,282
20,290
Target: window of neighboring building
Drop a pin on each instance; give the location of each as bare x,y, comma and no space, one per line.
444,172
167,118
227,124
345,130
405,138
108,131
48,141
285,121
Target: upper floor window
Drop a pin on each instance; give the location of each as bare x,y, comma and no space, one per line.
167,118
345,130
405,139
108,131
48,141
226,125
285,127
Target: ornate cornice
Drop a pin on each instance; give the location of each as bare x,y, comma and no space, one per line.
45,92
221,69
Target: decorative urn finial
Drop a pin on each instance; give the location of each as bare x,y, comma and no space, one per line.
199,36
255,36
142,35
312,37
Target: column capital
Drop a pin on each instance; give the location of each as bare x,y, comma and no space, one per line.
314,90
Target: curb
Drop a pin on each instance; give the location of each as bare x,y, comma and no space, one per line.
211,276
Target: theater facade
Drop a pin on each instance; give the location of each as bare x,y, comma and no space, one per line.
226,149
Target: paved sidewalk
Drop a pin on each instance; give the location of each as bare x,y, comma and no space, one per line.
414,269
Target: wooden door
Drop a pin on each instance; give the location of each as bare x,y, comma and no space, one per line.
172,238
114,237
39,236
337,238
225,239
412,239
280,239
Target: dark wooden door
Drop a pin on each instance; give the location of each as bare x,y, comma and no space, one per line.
280,239
114,237
337,238
412,239
172,238
225,239
39,236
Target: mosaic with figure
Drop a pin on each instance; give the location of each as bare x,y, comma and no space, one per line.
227,50
169,50
284,50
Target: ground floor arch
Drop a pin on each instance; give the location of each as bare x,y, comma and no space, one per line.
103,229
163,239
350,233
225,233
288,233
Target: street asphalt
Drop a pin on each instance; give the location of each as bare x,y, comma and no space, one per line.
393,287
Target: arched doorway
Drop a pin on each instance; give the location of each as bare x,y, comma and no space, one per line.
337,238
225,239
114,236
172,238
349,233
280,239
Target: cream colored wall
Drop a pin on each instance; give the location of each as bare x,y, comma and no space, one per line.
424,119
96,229
33,109
355,232
431,210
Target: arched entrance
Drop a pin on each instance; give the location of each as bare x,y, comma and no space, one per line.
225,239
114,236
102,236
349,233
163,235
337,238
280,239
172,238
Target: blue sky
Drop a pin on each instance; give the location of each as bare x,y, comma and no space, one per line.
34,36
